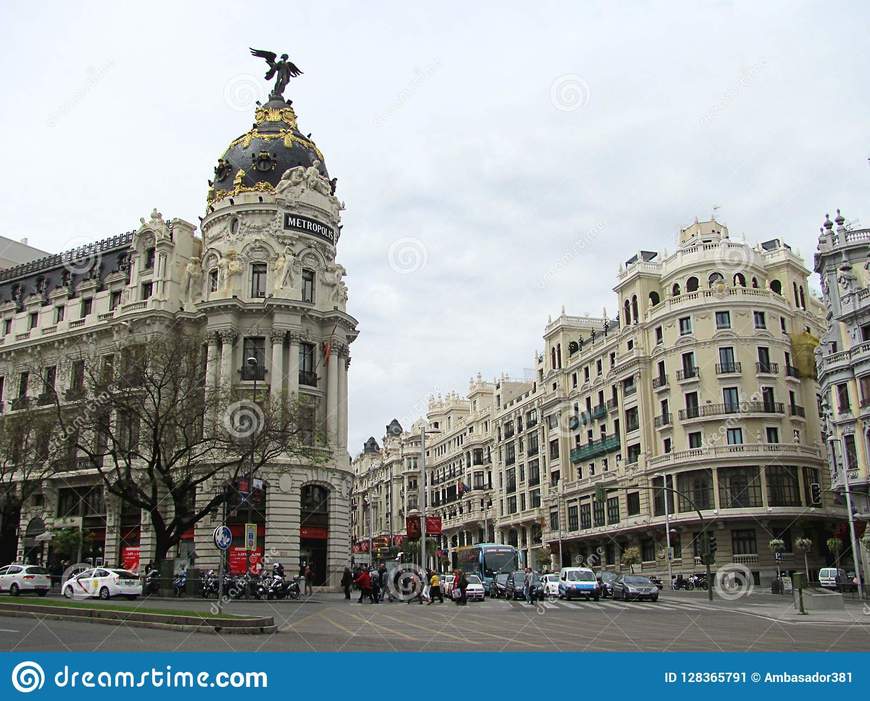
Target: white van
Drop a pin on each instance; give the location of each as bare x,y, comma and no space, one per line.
828,578
575,582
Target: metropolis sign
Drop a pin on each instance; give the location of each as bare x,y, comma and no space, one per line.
309,226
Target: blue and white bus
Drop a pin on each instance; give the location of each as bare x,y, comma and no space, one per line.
486,560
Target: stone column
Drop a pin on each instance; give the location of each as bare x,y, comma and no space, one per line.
228,338
342,410
211,381
276,372
293,365
332,398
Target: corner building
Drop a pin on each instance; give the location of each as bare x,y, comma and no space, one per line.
705,383
260,281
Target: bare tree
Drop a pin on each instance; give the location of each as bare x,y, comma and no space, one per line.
144,420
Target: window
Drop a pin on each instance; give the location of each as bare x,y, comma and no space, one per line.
213,280
660,338
666,446
114,300
692,409
510,480
512,505
149,258
632,423
7,326
695,440
535,497
697,485
254,347
554,520
50,378
23,380
843,398
723,320
308,286
585,516
726,360
147,290
772,434
534,473
33,320
613,510
307,376
731,398
632,502
783,488
739,487
734,436
59,313
597,512
573,521
633,454
851,456
258,280
77,376
759,320
685,325
554,449
743,541
87,306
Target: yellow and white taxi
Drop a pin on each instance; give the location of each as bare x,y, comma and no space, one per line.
103,582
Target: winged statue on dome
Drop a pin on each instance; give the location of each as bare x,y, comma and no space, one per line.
281,69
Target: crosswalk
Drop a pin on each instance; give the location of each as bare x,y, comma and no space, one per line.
609,607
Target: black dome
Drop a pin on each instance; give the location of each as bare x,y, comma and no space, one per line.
273,145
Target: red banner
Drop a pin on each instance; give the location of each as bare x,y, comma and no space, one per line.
433,525
130,557
412,526
236,560
314,532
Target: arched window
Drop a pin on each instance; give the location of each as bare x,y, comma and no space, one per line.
739,279
714,278
654,298
776,286
627,310
634,314
675,290
692,284
754,283
803,299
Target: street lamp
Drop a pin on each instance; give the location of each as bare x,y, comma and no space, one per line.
668,531
423,432
848,492
253,364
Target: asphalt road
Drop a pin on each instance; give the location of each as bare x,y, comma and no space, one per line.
329,623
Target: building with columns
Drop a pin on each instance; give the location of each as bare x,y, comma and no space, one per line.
843,361
704,382
260,280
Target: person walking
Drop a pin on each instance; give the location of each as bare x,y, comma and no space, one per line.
346,581
376,587
435,588
461,583
309,581
527,585
364,582
384,581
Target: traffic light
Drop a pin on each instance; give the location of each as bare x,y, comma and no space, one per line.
711,543
816,493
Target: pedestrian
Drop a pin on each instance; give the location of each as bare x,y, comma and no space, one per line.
527,585
460,585
309,581
376,587
346,581
385,578
435,588
364,582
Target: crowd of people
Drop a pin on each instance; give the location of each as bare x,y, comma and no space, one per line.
378,584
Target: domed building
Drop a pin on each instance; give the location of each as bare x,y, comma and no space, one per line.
261,283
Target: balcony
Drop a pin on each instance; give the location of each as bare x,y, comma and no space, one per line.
599,412
767,368
688,374
628,390
664,420
612,404
745,559
796,410
728,368
595,448
660,381
792,371
20,403
45,398
308,378
74,394
742,451
709,410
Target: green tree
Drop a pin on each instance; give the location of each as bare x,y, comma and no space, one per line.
805,545
835,545
69,542
631,557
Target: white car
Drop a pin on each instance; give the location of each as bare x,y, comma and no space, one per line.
19,578
446,584
103,582
474,591
551,584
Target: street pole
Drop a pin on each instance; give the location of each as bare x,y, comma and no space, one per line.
559,518
668,534
855,552
423,500
252,363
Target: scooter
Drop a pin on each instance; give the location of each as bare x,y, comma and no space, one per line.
179,583
151,584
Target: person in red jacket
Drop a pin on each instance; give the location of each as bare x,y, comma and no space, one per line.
364,582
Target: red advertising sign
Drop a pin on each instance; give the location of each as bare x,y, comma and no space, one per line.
314,532
412,526
130,557
433,525
236,560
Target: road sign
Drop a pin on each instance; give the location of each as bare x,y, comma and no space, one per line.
778,556
250,536
222,537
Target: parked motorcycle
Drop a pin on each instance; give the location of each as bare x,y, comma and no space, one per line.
151,584
210,586
179,583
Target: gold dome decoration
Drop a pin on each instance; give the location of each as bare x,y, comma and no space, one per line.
217,195
275,114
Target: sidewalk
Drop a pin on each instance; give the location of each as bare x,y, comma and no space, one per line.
853,614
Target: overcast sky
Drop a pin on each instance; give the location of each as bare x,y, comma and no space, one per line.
497,160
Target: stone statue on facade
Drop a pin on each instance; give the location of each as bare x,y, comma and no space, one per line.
193,279
281,69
